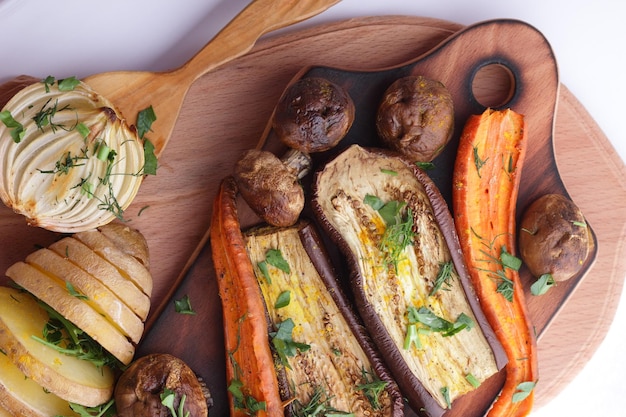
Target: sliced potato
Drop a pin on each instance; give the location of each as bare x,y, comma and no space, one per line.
125,263
73,309
81,255
22,396
129,240
103,300
74,380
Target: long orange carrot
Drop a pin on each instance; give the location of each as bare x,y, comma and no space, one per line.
253,385
486,180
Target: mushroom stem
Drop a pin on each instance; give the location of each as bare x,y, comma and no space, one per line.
297,162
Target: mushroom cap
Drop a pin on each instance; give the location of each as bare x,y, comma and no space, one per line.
138,391
313,115
416,117
269,187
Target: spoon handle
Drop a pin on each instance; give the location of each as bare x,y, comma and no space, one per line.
241,33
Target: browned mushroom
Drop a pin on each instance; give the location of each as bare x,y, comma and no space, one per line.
157,379
554,237
270,187
416,117
313,115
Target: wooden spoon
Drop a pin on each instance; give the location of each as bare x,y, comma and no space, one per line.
133,91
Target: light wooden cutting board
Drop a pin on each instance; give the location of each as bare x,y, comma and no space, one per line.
226,111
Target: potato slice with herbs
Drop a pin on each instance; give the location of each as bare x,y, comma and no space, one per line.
71,306
328,362
22,321
410,284
22,396
106,272
84,286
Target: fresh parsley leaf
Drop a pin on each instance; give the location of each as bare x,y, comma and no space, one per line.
542,285
183,306
150,160
17,129
510,261
445,391
523,390
373,201
145,118
68,84
283,300
283,342
275,258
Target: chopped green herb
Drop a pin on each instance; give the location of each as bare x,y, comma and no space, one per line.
74,293
426,166
478,162
102,151
48,82
68,84
142,210
374,201
275,258
373,387
183,306
389,172
580,224
443,277
103,410
542,285
63,336
167,399
523,390
145,118
283,300
509,261
472,380
318,406
265,271
431,321
83,130
445,391
17,129
150,160
284,344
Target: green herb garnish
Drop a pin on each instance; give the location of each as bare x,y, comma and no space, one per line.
145,118
542,285
167,399
283,300
17,129
183,306
284,344
523,390
443,277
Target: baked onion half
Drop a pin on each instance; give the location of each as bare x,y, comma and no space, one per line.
68,160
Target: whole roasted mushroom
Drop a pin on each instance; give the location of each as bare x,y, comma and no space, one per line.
416,117
270,187
554,237
157,379
313,115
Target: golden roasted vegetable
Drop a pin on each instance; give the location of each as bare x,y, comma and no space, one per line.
409,281
77,315
69,161
328,361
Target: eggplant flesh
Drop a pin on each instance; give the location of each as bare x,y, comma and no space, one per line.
435,368
335,368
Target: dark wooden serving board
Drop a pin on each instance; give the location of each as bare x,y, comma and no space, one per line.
226,112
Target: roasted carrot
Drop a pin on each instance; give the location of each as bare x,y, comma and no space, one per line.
251,376
486,181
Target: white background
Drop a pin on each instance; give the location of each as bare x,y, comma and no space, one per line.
83,37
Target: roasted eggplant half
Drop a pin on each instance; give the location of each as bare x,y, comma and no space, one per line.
407,276
324,359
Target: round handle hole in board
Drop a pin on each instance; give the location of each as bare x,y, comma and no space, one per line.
493,85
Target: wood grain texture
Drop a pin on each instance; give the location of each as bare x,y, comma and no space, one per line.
134,91
226,111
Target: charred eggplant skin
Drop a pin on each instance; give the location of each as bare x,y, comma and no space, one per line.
316,250
415,392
